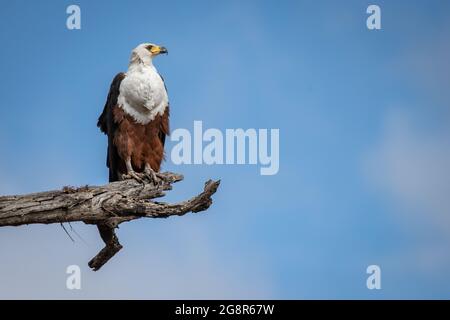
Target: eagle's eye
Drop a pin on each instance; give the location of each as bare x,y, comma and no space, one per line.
149,47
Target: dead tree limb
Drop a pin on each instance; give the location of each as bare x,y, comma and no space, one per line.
105,206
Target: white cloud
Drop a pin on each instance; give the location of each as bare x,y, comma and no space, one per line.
410,161
169,261
411,166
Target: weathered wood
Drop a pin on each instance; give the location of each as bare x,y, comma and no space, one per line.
105,206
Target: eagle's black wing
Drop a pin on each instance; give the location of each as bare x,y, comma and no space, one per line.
108,126
164,128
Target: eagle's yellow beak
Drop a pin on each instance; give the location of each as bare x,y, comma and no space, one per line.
155,50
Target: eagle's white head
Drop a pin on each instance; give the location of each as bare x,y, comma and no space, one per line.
145,52
142,93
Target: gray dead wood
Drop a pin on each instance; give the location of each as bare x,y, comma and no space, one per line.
105,206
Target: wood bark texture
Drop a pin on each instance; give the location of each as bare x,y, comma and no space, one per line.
105,206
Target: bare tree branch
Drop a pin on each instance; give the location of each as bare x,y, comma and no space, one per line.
105,206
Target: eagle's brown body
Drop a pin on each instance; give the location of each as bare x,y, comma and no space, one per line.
143,144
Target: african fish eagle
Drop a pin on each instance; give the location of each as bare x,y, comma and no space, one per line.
136,117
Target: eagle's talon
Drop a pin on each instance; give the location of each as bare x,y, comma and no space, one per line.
132,175
153,176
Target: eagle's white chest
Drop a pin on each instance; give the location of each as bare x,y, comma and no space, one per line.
143,94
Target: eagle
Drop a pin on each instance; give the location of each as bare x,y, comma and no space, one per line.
136,118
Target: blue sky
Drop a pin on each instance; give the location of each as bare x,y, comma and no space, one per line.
364,147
